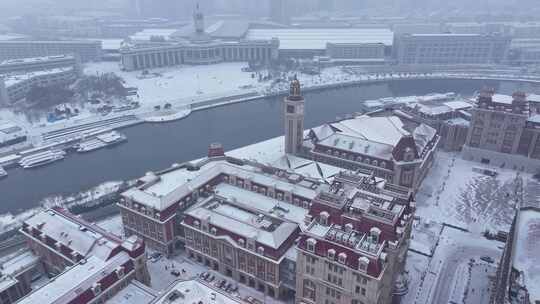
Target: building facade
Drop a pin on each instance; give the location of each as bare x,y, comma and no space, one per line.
199,48
356,50
449,117
445,49
354,250
18,270
235,217
84,50
504,131
15,87
381,145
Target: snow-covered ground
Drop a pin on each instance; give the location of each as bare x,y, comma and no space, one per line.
453,193
183,84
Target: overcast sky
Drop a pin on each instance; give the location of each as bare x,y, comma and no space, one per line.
54,7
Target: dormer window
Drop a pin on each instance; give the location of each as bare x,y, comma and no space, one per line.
383,165
241,242
196,224
409,154
374,163
375,234
120,271
331,253
213,230
311,244
363,264
342,258
260,250
96,289
323,218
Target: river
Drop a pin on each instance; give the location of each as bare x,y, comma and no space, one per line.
153,147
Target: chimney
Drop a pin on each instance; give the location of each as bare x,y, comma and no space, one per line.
215,150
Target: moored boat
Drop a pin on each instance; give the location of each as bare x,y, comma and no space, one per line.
42,158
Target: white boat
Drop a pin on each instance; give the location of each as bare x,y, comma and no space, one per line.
101,141
111,138
42,158
90,145
3,172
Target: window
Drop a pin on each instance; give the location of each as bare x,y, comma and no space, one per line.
290,109
309,290
342,258
311,245
331,253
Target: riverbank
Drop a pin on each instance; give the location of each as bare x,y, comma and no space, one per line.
153,145
73,131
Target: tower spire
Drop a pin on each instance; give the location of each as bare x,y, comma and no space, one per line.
294,118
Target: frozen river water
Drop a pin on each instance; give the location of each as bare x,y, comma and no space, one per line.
156,146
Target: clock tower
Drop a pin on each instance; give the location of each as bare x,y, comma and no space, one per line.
294,118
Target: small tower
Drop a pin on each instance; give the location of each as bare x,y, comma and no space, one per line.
198,19
294,118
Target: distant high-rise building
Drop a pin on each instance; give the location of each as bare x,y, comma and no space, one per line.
279,11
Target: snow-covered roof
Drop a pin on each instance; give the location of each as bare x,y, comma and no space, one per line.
79,238
262,203
458,105
133,293
533,98
500,98
458,121
316,39
236,218
146,34
526,249
385,130
67,286
422,135
173,186
358,145
194,291
534,118
15,79
36,59
14,263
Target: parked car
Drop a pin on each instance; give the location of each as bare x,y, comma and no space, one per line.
487,259
175,273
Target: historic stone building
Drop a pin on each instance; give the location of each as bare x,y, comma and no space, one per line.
382,145
504,131
62,240
294,119
200,48
354,250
